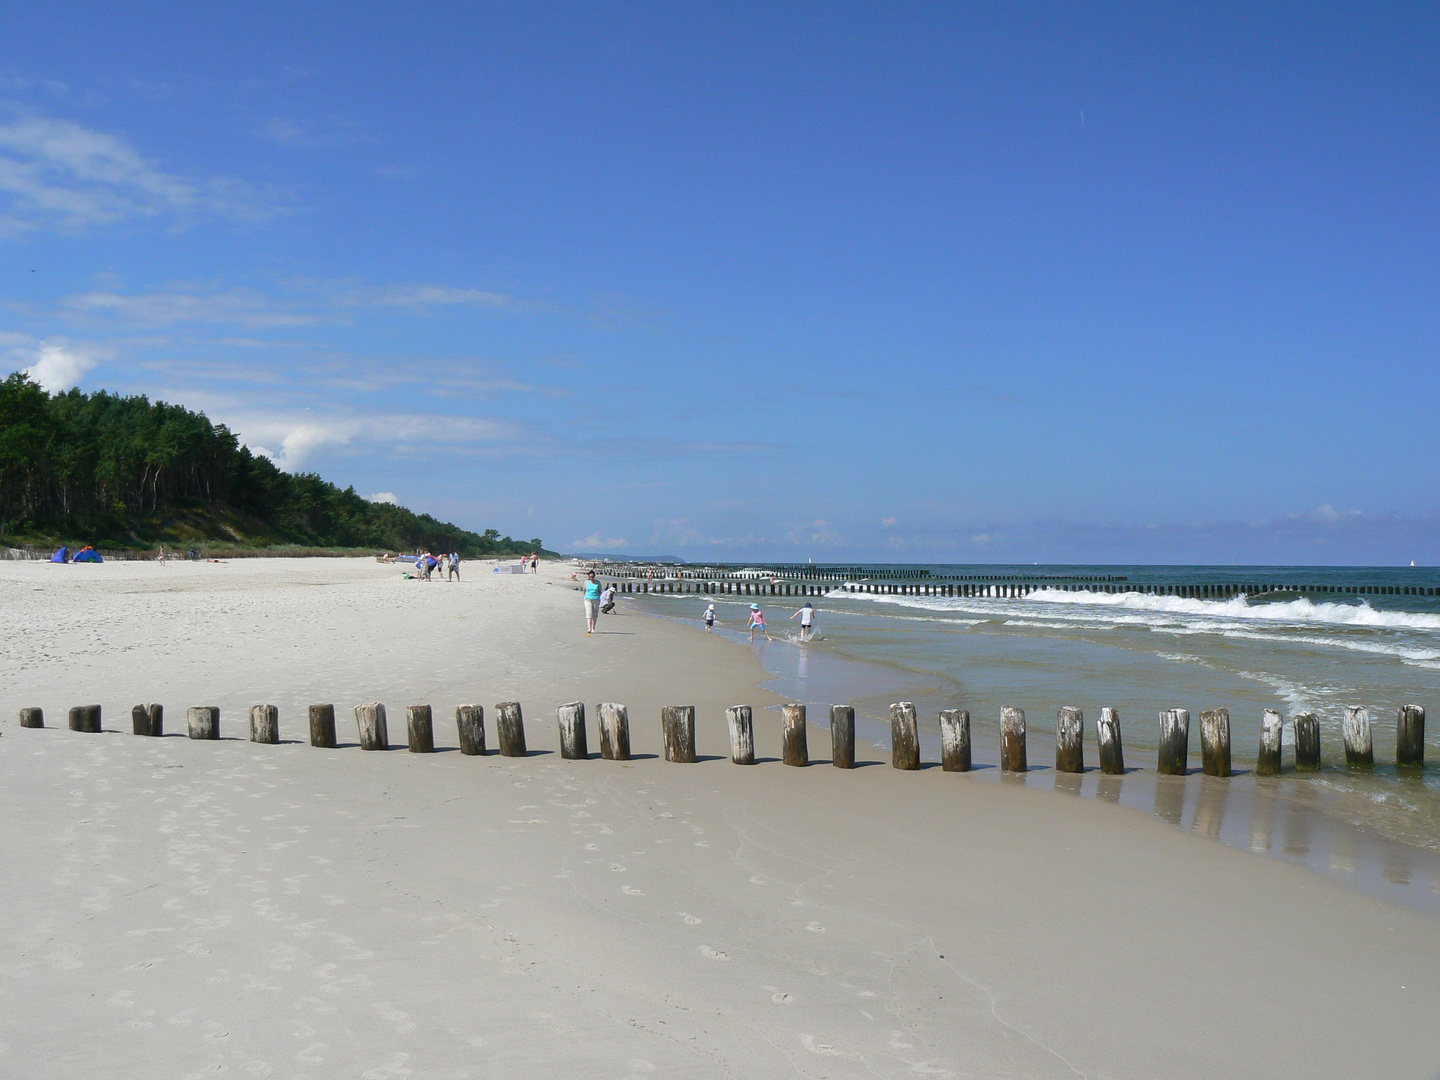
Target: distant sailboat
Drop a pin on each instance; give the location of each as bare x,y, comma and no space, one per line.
1412,562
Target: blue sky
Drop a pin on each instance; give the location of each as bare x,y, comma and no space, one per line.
1075,282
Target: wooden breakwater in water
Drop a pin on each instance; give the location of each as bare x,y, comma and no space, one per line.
673,580
677,725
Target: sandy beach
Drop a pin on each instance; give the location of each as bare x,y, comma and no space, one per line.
177,908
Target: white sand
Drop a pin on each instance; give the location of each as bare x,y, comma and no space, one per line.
178,908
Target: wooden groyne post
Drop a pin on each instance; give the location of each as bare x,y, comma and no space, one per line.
1012,740
1270,763
904,736
470,727
1215,742
420,729
1174,742
203,722
795,747
1307,741
1069,740
510,729
1112,746
1410,736
322,726
842,736
742,734
677,723
614,731
571,719
1359,746
85,718
32,718
264,724
955,740
374,732
148,719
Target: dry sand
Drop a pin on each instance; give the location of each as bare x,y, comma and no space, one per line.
177,908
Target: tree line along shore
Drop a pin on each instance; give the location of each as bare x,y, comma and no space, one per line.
128,473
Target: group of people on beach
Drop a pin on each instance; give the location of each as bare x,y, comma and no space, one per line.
805,613
426,564
600,600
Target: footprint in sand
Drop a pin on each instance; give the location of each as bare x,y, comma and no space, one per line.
617,868
815,928
713,954
690,920
630,890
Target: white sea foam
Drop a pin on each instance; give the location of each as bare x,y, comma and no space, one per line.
1301,610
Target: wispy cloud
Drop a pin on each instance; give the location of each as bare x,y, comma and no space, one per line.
292,440
593,542
55,172
235,307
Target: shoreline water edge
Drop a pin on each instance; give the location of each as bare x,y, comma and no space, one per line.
1376,830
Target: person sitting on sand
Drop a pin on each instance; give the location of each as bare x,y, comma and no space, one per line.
807,621
757,622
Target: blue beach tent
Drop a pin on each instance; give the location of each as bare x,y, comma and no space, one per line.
87,554
63,555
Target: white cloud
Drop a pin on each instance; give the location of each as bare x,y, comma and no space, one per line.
59,366
291,440
593,542
57,172
889,522
383,497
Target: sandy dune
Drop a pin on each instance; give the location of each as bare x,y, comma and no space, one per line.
179,908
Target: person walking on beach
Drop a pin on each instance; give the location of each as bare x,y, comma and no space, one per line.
454,572
710,617
757,622
592,602
807,621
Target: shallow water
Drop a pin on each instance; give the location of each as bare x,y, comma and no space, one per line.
1142,653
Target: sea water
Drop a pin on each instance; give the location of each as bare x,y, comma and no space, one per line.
1141,653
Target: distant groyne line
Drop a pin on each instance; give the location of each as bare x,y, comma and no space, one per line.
807,581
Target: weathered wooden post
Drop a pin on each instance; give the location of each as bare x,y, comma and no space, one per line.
571,718
1410,736
1112,747
85,718
1270,763
614,731
1174,742
420,729
1012,739
1069,736
678,725
32,717
374,733
742,734
1359,747
955,740
510,729
470,726
203,722
322,726
148,719
1307,741
795,747
264,724
904,736
1215,742
842,736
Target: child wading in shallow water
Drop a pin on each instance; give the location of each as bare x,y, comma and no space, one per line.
757,622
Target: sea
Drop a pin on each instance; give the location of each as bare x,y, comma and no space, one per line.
1318,650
